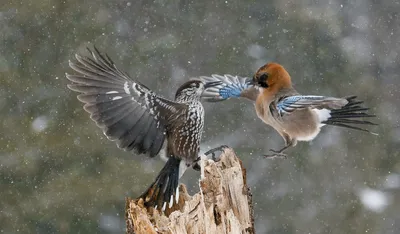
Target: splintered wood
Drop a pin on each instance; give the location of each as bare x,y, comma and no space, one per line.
223,205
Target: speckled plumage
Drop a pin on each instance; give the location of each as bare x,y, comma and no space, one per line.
137,119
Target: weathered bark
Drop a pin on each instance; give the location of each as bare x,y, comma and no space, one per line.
223,205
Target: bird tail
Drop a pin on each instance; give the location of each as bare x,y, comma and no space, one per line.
349,115
165,187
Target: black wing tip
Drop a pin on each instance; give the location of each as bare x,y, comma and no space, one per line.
94,48
92,51
352,97
89,50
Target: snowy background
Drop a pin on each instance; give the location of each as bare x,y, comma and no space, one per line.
59,174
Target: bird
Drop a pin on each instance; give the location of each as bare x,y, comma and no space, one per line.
294,116
136,118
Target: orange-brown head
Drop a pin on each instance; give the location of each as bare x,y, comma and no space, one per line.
272,76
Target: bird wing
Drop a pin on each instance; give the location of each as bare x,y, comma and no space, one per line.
232,86
289,104
127,111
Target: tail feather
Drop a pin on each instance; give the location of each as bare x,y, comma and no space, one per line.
349,115
351,121
354,109
353,104
163,190
353,127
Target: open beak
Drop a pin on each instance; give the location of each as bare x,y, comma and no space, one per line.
212,84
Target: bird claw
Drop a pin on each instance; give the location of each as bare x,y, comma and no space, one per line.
271,156
196,166
212,152
276,154
275,151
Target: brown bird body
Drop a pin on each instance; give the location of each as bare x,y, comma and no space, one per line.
304,123
295,117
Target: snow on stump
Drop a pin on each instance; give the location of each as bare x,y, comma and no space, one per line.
223,205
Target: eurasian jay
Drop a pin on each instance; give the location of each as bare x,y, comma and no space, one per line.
294,116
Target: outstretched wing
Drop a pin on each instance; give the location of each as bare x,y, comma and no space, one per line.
287,105
232,86
127,111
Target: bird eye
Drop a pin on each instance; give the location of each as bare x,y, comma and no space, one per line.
263,77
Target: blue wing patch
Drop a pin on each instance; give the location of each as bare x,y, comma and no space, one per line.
231,87
289,104
233,90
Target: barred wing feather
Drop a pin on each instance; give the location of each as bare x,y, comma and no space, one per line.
126,110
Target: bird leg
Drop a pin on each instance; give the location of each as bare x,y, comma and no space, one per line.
279,153
212,152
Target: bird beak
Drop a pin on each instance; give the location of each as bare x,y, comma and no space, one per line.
250,81
212,84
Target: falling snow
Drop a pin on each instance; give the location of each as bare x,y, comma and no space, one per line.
40,124
374,200
60,174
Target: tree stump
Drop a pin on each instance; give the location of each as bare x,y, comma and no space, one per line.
223,205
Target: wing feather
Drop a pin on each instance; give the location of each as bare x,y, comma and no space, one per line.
127,111
287,105
231,87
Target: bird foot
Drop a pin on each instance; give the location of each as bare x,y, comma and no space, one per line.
276,154
196,166
212,152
